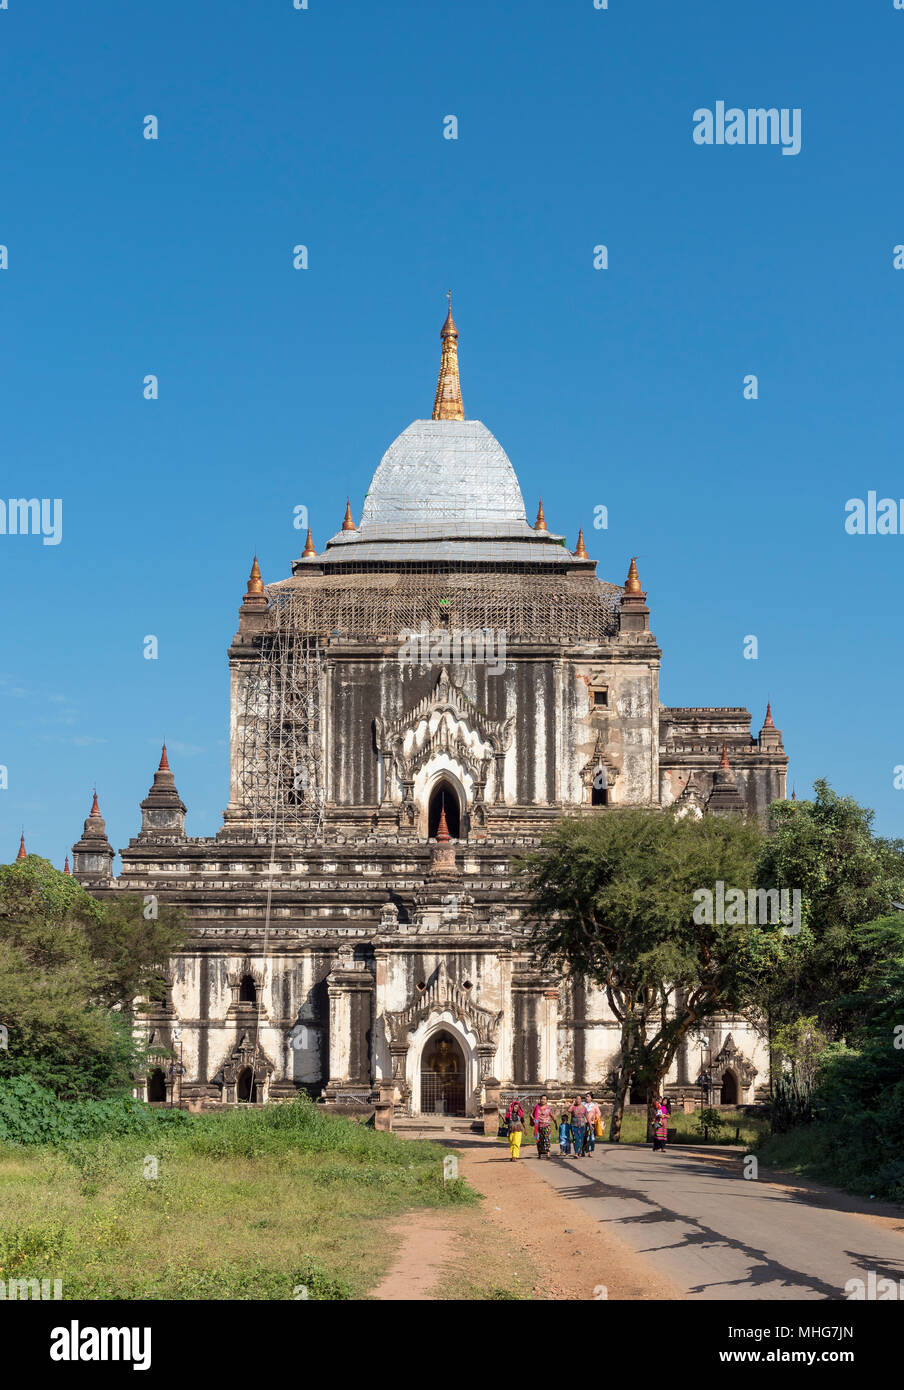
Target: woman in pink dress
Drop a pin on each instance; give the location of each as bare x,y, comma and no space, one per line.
542,1118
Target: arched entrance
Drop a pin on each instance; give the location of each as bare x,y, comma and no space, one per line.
444,797
729,1093
442,1076
245,1086
156,1086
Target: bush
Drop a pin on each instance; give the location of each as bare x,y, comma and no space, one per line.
30,1114
709,1123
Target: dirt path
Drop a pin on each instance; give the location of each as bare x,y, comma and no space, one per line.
427,1247
576,1258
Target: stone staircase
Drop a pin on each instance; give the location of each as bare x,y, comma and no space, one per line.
430,1125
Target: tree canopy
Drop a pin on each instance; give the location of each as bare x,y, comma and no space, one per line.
612,899
70,969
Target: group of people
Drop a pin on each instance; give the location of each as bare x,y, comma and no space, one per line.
579,1126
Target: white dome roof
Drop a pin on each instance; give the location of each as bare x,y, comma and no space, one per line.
441,472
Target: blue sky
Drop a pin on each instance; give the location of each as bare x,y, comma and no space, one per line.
281,388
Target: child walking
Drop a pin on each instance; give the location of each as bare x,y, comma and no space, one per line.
516,1130
565,1133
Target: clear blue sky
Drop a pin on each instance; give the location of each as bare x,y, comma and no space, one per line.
281,387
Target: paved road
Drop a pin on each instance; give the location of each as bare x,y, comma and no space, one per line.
720,1236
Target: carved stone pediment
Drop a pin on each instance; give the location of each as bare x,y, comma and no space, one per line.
732,1057
446,697
245,1053
443,995
692,800
599,765
445,724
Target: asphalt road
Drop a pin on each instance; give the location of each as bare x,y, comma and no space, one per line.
718,1235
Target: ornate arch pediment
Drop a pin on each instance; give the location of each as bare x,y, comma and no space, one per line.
732,1058
245,1053
444,995
445,697
408,743
599,762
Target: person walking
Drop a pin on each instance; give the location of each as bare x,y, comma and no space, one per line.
542,1126
565,1134
593,1119
516,1130
578,1125
660,1127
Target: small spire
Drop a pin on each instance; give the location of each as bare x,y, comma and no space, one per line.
448,329
447,404
724,759
540,523
164,761
793,795
767,723
255,583
95,809
632,583
348,522
66,869
22,851
308,546
580,549
442,830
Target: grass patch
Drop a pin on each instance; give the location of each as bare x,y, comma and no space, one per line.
250,1204
820,1152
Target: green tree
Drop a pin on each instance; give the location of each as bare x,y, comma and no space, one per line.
611,899
847,877
70,969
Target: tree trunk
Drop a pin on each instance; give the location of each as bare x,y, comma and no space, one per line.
618,1104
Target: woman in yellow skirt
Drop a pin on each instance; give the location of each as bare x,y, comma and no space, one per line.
516,1130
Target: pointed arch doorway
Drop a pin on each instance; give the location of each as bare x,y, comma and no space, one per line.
729,1092
443,1075
444,798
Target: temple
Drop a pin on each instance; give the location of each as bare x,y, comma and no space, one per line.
411,707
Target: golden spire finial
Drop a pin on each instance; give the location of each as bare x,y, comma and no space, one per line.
255,583
632,583
540,523
308,546
447,404
348,523
580,549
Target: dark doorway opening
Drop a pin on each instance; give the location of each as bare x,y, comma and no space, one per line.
599,790
156,1085
445,798
245,1087
248,990
442,1076
729,1093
